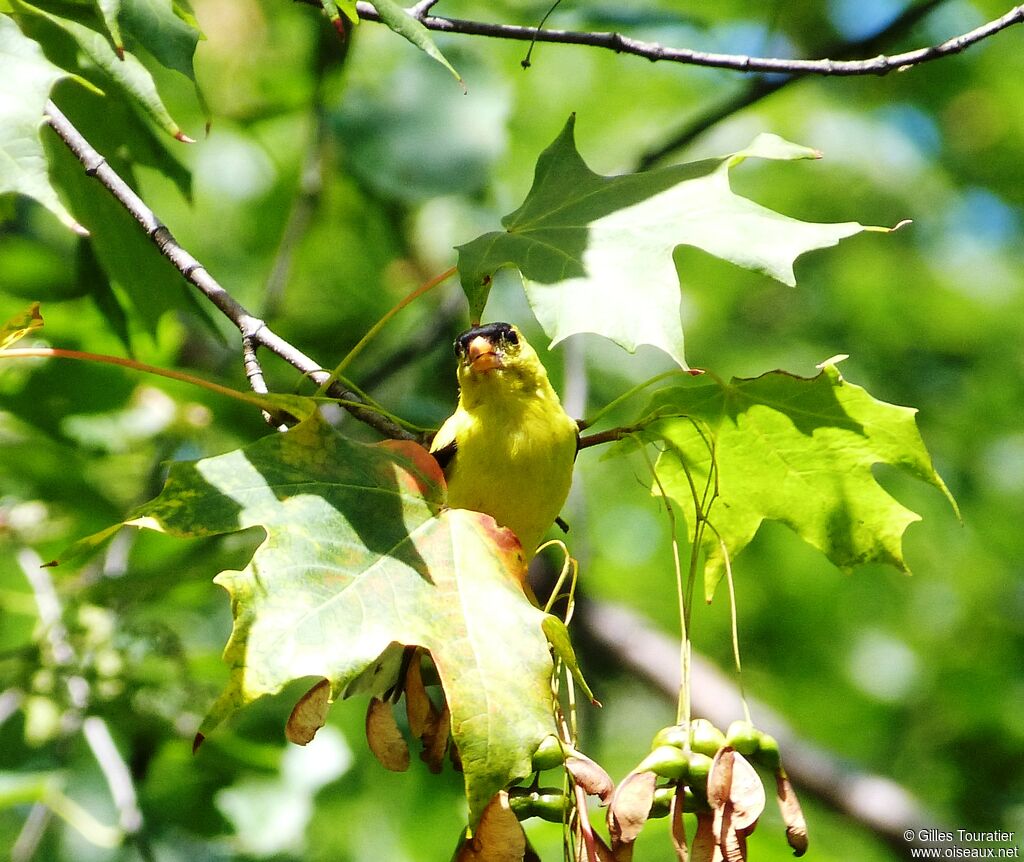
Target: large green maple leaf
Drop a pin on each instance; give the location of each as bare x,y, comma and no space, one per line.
595,252
361,554
791,449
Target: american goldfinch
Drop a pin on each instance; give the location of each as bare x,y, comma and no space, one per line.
508,449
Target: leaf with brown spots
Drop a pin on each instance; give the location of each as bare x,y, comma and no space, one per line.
360,554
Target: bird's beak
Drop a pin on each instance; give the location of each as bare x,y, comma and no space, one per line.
482,355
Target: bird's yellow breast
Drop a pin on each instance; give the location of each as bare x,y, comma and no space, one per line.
514,460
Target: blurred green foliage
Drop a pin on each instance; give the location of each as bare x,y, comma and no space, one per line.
330,184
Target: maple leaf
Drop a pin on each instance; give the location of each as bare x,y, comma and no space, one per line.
360,554
791,449
595,252
24,88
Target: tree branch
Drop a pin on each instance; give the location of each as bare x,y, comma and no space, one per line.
249,326
880,65
609,436
419,11
876,802
761,87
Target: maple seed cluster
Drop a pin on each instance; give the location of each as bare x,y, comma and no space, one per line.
707,773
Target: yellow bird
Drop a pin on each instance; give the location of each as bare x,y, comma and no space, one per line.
508,449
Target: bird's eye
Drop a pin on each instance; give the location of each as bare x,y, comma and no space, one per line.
511,337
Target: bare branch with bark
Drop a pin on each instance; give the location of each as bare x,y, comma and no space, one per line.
620,44
253,330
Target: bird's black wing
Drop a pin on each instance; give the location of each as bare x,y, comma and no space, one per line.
444,455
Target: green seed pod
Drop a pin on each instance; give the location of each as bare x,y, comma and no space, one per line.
768,754
674,735
698,768
547,803
550,754
744,737
705,738
666,761
662,802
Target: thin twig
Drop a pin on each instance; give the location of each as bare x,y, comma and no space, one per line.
254,374
419,10
525,62
248,325
609,436
760,88
880,65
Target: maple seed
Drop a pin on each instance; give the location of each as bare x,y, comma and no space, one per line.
384,738
547,803
744,737
498,836
705,738
309,714
674,734
630,808
417,701
768,754
792,815
590,776
698,769
550,754
667,762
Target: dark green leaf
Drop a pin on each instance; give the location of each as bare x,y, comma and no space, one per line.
392,14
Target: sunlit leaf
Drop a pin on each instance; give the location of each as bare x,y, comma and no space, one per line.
359,555
791,449
595,252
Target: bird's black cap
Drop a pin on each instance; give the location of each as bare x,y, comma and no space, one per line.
490,331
